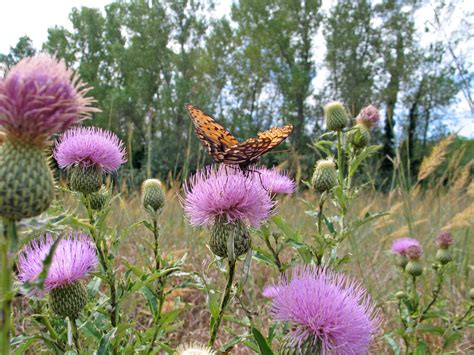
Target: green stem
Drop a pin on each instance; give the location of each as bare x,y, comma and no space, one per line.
7,248
339,159
320,217
436,292
75,335
276,257
225,300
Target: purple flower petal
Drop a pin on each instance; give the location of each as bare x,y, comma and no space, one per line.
275,182
401,245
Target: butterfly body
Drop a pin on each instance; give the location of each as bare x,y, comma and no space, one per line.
224,148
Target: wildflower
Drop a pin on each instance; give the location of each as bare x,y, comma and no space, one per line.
368,117
336,116
90,152
194,349
97,200
39,97
324,176
228,200
152,194
73,259
401,246
275,182
444,241
327,312
359,136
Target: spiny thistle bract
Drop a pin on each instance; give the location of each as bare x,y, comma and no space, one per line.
89,152
275,182
336,116
227,200
194,349
98,200
400,247
414,266
359,136
74,257
327,312
152,194
324,176
368,117
38,97
444,240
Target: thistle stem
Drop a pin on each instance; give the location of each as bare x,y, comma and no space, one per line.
339,159
8,247
75,335
225,300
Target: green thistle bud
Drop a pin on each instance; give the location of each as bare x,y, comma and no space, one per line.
308,347
220,232
443,256
401,295
414,268
336,116
85,180
324,176
98,199
26,181
359,136
471,294
401,260
68,300
152,194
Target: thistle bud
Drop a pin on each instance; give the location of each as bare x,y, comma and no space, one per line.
221,232
368,117
336,116
85,180
26,181
444,240
471,294
401,295
324,176
401,260
414,268
68,300
152,194
98,199
359,136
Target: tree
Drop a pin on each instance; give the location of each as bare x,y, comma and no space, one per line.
24,48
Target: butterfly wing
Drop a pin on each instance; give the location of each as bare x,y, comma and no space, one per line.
276,135
246,152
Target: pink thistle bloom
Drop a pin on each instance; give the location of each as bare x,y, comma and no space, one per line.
325,308
414,252
444,240
74,257
226,192
270,291
275,182
369,116
90,147
401,245
39,97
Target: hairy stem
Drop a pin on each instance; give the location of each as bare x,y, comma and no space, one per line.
225,300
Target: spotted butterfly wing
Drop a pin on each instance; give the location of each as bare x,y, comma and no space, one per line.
223,147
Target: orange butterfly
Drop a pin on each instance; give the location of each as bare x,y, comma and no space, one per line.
223,147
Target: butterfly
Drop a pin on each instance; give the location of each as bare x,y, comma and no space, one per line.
223,147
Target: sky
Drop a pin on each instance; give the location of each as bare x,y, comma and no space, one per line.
38,15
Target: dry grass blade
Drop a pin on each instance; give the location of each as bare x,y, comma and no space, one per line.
436,157
463,219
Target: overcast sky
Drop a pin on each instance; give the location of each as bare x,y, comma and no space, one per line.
34,17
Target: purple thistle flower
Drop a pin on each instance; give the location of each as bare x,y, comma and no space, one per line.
90,147
74,257
326,308
401,245
275,182
39,97
444,240
226,192
369,116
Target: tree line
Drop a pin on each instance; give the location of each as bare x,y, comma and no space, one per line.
255,68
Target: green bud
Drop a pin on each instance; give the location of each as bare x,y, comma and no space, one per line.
359,136
443,256
336,116
401,260
324,176
26,181
220,232
401,295
85,180
98,199
68,300
414,268
152,194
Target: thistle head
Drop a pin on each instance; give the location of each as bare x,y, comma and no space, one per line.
336,116
194,349
324,176
39,97
326,310
152,194
369,116
275,182
444,240
401,245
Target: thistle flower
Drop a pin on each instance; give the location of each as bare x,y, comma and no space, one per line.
73,259
275,182
327,312
369,116
324,176
444,240
194,349
39,96
226,194
401,245
90,152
